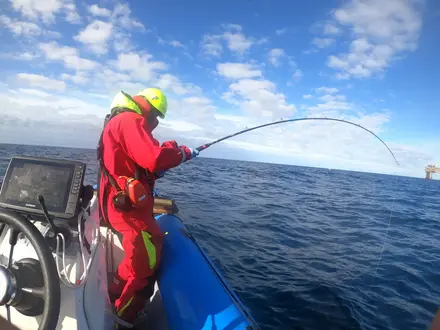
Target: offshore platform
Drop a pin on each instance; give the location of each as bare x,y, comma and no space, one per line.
430,170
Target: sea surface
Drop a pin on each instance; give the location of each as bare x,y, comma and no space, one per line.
307,248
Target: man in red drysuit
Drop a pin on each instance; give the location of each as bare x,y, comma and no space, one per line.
127,144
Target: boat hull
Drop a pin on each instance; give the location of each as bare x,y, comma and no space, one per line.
194,294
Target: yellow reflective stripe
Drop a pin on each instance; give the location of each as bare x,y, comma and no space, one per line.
121,311
151,249
123,100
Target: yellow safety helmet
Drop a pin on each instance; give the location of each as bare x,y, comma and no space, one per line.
157,99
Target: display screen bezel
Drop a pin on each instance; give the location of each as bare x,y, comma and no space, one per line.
35,208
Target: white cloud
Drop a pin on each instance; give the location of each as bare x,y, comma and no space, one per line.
176,44
26,29
330,107
231,118
96,36
100,96
68,55
329,103
280,31
232,27
52,34
72,15
55,108
324,144
79,63
122,23
135,68
172,43
236,41
58,115
95,10
26,56
331,29
194,110
39,81
122,40
172,83
298,74
35,9
111,81
34,92
275,55
22,56
328,144
194,118
258,98
140,66
328,90
262,41
332,97
180,126
322,42
78,78
382,31
237,70
46,10
121,16
211,45
196,100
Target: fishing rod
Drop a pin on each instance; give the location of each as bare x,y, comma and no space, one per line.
207,145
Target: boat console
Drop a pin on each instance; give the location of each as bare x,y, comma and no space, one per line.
44,205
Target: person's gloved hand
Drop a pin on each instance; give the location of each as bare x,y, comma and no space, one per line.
194,152
170,144
188,153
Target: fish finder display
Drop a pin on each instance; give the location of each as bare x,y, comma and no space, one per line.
57,181
29,181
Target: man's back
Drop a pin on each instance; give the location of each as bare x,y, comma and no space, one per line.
121,151
122,145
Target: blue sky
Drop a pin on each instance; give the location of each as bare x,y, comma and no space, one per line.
228,65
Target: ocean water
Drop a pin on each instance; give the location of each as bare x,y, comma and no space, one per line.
307,248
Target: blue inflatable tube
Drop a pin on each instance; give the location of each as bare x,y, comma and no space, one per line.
194,293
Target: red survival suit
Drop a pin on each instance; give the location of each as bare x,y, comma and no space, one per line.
127,141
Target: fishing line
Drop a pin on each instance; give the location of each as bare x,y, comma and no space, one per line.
386,236
207,145
375,272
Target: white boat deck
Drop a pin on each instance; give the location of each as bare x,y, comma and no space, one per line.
84,306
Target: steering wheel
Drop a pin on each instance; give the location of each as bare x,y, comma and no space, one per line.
13,292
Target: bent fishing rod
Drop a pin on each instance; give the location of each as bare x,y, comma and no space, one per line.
207,145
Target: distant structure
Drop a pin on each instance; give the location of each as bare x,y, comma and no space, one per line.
430,170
